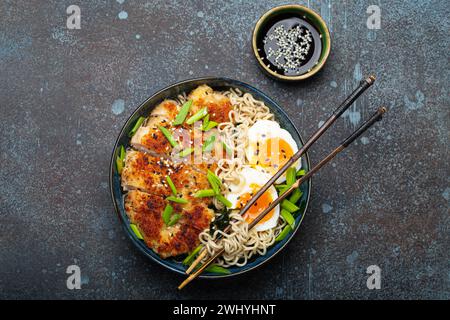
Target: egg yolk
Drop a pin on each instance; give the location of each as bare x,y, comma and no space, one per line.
272,152
262,203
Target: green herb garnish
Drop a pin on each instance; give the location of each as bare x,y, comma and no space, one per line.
288,217
290,176
174,219
205,193
179,119
120,160
136,231
190,258
171,185
196,117
185,152
296,195
167,213
136,126
209,143
177,200
222,199
283,233
168,136
289,206
217,269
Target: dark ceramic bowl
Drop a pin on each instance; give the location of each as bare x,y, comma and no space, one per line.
145,109
293,10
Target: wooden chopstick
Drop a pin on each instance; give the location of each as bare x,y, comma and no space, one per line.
377,116
363,86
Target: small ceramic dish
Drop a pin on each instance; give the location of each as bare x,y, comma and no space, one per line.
317,42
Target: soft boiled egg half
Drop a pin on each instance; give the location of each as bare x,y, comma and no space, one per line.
270,147
240,194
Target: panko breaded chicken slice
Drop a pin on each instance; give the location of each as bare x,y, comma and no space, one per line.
145,211
149,137
148,173
219,105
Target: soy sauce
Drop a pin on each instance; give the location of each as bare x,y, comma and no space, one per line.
290,45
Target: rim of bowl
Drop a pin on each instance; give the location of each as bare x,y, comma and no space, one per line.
126,223
294,7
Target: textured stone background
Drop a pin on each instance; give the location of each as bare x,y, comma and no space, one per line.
64,95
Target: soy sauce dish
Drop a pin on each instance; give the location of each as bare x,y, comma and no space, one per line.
291,42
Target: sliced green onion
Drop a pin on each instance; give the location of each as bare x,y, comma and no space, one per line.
167,213
301,172
213,182
179,119
214,268
196,117
168,136
136,231
136,126
205,193
280,186
120,159
174,219
177,200
222,199
283,190
209,143
205,121
212,174
185,152
227,148
210,125
288,217
296,195
289,206
290,176
190,258
283,233
171,185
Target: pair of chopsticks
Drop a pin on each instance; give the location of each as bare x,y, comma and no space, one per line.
363,86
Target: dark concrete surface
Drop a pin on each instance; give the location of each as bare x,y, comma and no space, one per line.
64,95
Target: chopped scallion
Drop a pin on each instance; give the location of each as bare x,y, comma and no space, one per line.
209,143
214,268
283,233
210,125
174,219
167,213
289,206
288,217
177,200
222,199
136,126
301,172
196,117
190,258
185,152
179,119
136,231
290,176
205,193
296,195
171,185
168,136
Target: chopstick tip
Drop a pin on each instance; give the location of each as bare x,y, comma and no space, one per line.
383,109
371,79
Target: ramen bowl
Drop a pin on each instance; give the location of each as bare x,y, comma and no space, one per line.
117,195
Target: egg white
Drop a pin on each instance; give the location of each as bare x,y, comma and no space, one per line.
267,129
253,176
